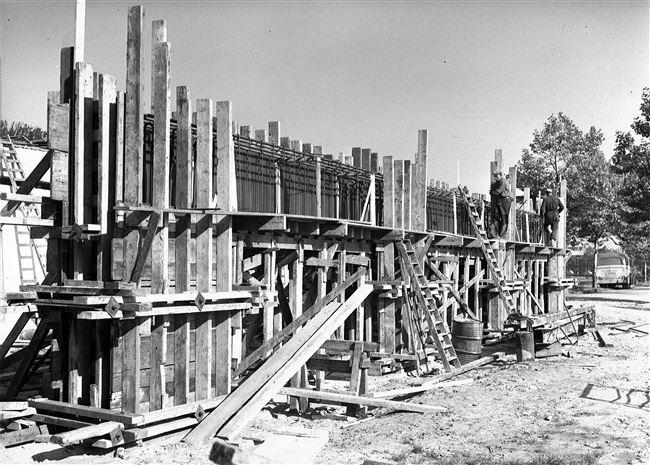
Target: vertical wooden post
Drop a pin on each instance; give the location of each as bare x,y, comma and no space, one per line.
319,188
365,159
134,129
79,31
205,251
181,359
389,303
226,201
374,162
183,194
372,207
134,107
107,94
160,198
477,289
407,196
356,157
130,330
388,187
82,160
419,204
274,132
204,167
295,288
158,36
399,194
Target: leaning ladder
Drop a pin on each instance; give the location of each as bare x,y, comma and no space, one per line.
29,256
490,258
438,329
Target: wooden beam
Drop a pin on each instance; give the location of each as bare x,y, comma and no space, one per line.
87,432
183,192
234,413
361,400
128,419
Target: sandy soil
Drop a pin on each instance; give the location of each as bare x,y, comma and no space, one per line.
589,406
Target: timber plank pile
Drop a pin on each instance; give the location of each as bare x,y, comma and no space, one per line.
195,265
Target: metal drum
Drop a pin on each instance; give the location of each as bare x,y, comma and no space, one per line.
467,336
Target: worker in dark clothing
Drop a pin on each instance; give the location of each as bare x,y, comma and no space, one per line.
550,213
500,190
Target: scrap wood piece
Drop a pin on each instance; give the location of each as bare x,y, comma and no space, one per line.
150,431
604,342
22,436
75,436
16,406
230,417
227,454
360,400
467,367
422,388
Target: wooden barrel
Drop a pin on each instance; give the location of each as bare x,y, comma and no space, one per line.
467,336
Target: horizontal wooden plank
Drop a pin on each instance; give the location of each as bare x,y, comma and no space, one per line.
76,436
58,421
360,400
85,411
25,221
346,345
25,198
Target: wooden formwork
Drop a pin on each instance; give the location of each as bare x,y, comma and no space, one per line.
184,251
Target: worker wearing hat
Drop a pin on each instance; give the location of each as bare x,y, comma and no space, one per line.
550,213
500,190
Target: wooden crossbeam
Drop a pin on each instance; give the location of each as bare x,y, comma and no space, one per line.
455,293
30,356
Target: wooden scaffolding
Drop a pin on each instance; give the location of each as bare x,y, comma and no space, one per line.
188,255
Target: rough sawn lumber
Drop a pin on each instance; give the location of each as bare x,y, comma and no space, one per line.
245,402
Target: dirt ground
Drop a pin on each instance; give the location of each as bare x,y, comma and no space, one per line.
591,405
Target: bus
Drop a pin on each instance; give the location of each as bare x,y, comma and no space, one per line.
613,269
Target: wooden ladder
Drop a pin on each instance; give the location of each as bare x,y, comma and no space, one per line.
29,254
490,258
438,329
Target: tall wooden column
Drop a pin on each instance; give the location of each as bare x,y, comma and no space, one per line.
226,202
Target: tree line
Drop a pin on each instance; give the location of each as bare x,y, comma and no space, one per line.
606,199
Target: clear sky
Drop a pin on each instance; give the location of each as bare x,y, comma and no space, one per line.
479,75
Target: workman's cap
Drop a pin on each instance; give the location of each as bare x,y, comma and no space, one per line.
547,191
497,172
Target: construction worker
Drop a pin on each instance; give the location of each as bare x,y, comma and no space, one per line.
500,190
550,213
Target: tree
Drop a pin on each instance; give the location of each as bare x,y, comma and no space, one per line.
21,130
631,162
562,151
